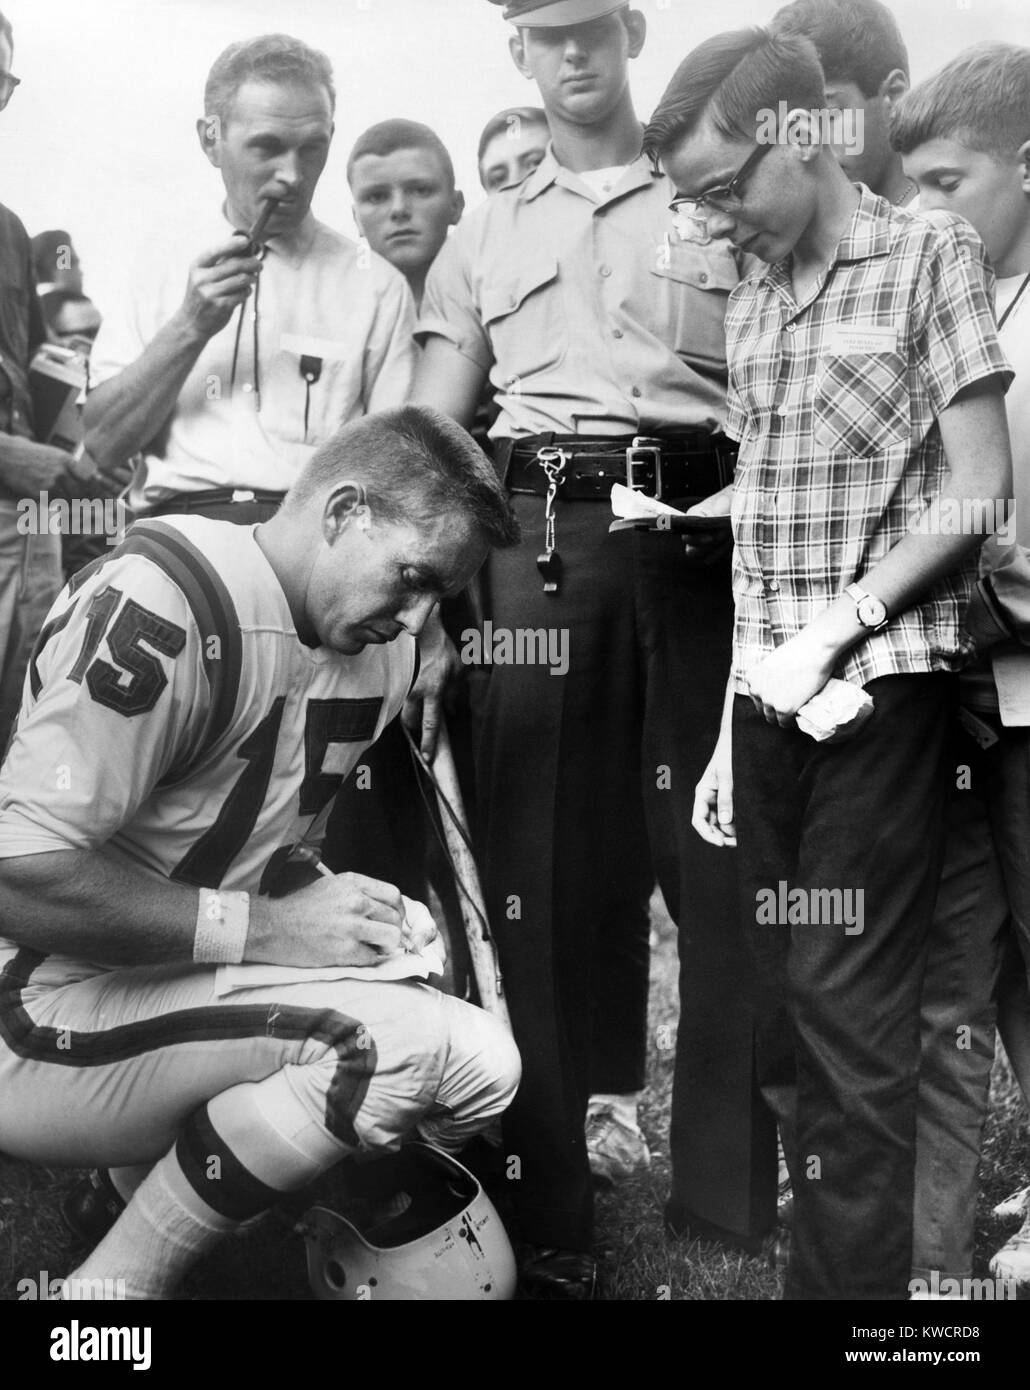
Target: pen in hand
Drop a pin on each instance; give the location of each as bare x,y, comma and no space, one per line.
307,855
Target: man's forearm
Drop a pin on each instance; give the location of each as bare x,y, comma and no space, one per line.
123,415
83,904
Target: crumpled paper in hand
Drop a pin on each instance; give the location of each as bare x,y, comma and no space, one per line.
836,712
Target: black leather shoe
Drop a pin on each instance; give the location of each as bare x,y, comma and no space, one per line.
546,1273
92,1207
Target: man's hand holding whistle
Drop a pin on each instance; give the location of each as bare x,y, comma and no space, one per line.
222,278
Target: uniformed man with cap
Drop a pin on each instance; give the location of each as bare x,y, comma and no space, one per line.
601,332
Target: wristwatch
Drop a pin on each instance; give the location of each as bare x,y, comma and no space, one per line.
870,610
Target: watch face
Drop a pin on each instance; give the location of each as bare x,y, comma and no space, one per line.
871,611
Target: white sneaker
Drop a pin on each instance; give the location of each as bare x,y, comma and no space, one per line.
1012,1262
1015,1205
616,1147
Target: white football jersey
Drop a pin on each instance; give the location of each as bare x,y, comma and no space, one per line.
172,714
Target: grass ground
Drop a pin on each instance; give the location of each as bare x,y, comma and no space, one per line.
637,1260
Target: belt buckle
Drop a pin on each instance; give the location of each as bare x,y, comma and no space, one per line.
242,494
652,451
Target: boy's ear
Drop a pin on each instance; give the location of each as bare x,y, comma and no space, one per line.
893,87
799,132
1023,159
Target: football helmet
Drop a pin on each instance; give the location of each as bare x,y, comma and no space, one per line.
437,1238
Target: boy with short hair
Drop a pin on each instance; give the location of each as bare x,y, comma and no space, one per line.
865,63
405,199
511,145
862,356
965,138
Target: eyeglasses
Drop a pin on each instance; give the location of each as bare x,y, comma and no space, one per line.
8,82
725,197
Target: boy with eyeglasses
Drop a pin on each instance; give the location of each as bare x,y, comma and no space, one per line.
865,388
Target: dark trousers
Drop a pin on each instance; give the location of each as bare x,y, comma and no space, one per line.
840,1014
585,791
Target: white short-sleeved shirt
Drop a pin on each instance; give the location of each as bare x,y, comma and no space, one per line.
320,295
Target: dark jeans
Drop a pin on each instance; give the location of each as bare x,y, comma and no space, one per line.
838,1044
585,790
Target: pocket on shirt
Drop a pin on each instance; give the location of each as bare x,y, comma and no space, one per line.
692,323
861,405
525,319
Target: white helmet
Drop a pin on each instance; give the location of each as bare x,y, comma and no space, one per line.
447,1243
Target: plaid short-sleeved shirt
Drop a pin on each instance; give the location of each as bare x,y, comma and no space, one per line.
835,403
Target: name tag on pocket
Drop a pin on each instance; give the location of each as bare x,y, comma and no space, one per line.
847,340
328,349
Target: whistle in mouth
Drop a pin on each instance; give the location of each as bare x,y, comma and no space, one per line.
268,207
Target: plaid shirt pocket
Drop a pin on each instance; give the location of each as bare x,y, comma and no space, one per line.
861,404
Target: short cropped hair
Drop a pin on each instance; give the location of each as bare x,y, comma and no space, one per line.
981,99
389,136
415,464
502,123
857,40
274,58
46,247
6,32
730,79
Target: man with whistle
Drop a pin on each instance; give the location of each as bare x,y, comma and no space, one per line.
286,331
601,335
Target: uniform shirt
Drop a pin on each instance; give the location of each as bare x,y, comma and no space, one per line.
834,402
173,716
21,326
589,313
320,295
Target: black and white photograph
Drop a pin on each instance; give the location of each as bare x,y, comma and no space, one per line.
515,664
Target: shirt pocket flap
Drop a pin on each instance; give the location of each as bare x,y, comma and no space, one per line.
504,298
704,267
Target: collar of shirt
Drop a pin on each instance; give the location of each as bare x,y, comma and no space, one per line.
637,174
290,247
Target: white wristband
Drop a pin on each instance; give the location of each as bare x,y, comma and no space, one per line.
222,923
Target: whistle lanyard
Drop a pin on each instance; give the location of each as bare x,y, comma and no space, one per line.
254,342
1016,298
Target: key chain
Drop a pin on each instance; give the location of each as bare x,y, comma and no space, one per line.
553,462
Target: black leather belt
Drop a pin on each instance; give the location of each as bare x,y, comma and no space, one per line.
214,497
674,466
